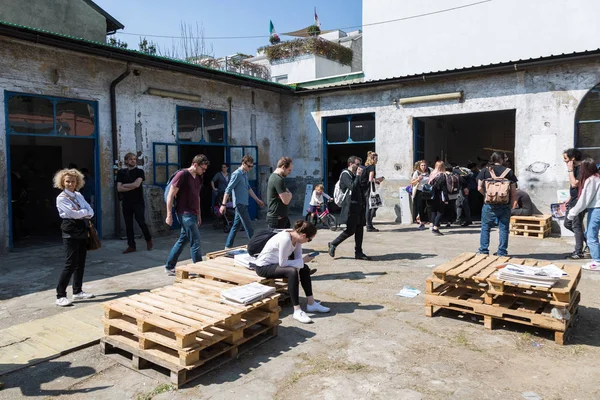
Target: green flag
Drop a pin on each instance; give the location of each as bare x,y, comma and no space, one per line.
271,28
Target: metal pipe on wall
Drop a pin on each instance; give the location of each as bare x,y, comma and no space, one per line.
115,143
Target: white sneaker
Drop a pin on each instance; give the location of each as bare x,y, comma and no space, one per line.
592,266
316,307
170,272
301,316
63,302
83,296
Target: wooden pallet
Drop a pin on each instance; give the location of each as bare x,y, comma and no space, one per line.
223,253
477,271
505,308
163,365
185,319
537,226
224,269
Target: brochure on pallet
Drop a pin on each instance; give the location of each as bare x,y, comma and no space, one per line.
545,276
247,294
244,260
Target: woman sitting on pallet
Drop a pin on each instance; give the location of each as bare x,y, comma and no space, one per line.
274,262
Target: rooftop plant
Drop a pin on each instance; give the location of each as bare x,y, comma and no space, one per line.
312,45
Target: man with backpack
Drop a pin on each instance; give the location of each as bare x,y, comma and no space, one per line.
353,209
498,185
185,185
240,188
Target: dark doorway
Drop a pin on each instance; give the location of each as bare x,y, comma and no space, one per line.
216,156
465,140
337,160
33,163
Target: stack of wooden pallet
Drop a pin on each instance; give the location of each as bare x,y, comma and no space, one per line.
185,328
468,284
537,226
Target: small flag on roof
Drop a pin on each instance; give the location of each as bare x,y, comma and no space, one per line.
317,22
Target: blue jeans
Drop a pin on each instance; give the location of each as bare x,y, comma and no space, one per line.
189,232
591,233
489,215
241,217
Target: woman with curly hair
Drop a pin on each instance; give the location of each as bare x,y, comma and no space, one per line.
75,213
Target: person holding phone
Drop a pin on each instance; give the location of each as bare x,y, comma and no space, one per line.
274,262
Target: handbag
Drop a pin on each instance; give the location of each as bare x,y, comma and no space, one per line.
375,200
93,240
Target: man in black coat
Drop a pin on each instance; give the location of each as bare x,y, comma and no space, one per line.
353,209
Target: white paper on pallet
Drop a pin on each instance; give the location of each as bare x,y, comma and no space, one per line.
247,294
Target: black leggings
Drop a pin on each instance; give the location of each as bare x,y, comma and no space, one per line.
272,271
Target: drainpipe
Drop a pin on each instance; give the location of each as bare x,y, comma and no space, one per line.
115,144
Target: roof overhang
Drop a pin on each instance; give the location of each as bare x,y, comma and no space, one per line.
136,57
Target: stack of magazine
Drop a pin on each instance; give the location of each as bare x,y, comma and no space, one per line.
546,276
247,294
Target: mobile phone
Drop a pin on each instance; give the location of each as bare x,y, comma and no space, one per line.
313,254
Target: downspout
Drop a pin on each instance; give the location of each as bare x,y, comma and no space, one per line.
115,144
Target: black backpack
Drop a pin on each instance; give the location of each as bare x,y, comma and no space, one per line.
259,240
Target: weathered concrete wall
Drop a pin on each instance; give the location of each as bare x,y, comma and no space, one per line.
69,17
545,100
142,119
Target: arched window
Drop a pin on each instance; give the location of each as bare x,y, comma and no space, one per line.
587,124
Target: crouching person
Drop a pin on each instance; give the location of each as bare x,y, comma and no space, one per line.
273,262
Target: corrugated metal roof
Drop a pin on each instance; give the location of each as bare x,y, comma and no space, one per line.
517,65
35,35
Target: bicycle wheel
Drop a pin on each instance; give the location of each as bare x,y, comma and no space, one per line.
331,222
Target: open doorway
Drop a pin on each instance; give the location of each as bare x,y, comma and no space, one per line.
465,140
33,163
337,160
216,156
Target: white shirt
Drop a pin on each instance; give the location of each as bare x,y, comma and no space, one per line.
317,199
277,251
589,197
423,177
74,206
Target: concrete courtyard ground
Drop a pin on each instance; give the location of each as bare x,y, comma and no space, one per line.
372,345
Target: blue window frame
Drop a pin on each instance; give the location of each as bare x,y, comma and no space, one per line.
165,162
200,126
29,114
36,115
356,128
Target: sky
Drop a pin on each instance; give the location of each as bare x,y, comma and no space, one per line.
227,18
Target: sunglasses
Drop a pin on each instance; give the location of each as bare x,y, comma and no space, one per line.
250,165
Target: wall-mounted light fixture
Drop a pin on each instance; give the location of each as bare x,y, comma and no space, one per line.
432,97
174,95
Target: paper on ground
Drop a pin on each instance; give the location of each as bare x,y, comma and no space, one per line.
408,291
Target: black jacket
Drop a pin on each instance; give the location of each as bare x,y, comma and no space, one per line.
354,206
